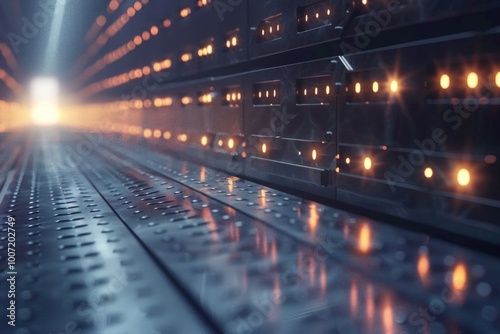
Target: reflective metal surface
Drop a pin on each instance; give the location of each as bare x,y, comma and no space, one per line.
117,239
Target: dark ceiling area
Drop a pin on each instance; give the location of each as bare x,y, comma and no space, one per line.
26,27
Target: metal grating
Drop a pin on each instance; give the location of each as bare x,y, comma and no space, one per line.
132,241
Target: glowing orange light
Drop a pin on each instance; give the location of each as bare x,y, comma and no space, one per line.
444,82
147,133
131,12
154,30
314,155
204,141
101,21
185,12
423,266
463,177
394,86
357,87
497,79
364,242
428,172
367,163
230,143
264,148
167,135
375,86
459,278
472,80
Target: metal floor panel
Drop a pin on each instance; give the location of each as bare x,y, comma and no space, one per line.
134,241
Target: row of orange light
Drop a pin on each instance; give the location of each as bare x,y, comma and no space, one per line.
185,12
101,20
260,93
162,65
117,54
115,81
316,90
205,98
317,15
235,96
463,176
472,80
375,86
277,28
205,51
112,30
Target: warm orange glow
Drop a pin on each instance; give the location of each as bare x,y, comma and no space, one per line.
186,57
388,317
230,143
131,12
137,5
313,217
167,135
364,242
167,23
375,86
203,172
394,86
444,82
347,161
353,298
497,79
367,163
157,133
314,155
220,143
357,87
428,172
264,148
263,197
113,5
186,100
204,141
472,80
423,266
101,21
185,12
147,133
463,177
154,30
459,279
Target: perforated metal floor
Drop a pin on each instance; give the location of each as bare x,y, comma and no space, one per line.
125,240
